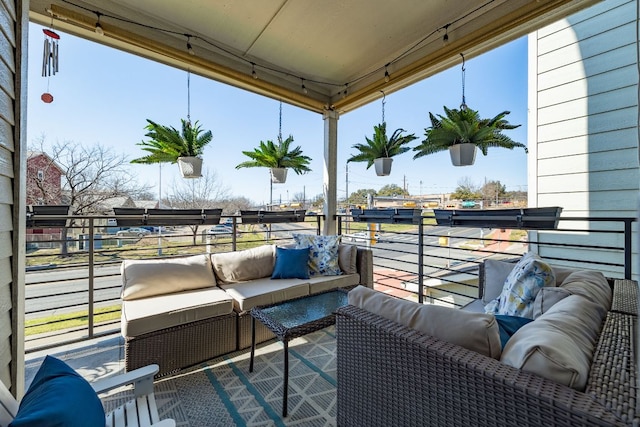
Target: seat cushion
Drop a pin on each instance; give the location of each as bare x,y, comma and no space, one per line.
152,277
58,396
324,283
247,295
248,264
474,331
164,311
559,344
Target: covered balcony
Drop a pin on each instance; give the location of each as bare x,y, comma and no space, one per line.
583,156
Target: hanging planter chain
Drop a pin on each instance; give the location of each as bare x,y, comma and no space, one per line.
463,106
189,95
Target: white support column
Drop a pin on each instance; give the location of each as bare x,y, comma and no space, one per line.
330,175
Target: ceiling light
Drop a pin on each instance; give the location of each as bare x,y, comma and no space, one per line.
253,71
387,77
99,30
189,47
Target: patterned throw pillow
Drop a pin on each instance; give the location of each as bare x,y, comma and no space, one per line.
323,253
522,285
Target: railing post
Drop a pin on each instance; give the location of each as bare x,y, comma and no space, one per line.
420,263
234,230
628,250
91,277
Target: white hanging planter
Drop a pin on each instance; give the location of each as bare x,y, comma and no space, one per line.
190,167
383,166
463,154
278,175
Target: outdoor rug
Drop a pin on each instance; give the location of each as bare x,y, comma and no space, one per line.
222,392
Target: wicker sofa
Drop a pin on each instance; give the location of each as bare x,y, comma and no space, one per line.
182,311
390,374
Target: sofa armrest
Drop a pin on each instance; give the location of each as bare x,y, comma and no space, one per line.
364,265
389,374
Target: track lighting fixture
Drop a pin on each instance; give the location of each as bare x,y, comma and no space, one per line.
189,47
99,30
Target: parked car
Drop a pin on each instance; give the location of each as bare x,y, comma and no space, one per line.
362,236
133,232
220,229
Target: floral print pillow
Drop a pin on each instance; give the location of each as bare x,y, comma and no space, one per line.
323,253
522,285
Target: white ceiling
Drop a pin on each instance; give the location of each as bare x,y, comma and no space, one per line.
329,46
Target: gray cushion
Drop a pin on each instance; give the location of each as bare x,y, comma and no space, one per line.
347,258
324,283
153,277
247,295
240,266
150,314
495,273
475,331
559,344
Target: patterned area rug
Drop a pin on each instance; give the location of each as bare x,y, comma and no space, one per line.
222,392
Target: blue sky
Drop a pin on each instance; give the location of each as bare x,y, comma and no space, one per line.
102,95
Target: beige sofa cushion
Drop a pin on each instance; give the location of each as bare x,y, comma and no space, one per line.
559,344
591,285
264,291
347,255
547,298
324,283
147,278
240,266
475,331
151,314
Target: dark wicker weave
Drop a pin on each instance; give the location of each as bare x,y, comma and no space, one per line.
625,298
389,374
244,331
179,347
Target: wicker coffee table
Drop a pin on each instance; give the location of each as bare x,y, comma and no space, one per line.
295,318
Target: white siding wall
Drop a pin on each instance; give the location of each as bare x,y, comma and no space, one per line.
13,30
583,118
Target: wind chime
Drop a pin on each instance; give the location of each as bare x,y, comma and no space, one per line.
49,60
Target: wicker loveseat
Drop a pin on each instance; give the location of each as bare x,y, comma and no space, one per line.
181,311
390,374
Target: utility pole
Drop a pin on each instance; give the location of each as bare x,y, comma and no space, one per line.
346,186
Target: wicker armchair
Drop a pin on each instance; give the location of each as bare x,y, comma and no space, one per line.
389,374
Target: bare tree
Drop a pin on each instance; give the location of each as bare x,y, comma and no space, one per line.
202,193
91,175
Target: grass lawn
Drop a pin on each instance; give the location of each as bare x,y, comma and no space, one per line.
70,320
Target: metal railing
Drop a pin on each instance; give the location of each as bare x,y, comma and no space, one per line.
73,277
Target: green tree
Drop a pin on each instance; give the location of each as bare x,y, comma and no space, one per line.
493,191
391,190
466,190
360,197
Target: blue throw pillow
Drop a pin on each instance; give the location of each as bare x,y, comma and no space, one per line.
58,396
508,325
291,264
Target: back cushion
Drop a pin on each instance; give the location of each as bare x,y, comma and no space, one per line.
591,285
347,256
240,266
147,278
559,344
474,331
495,273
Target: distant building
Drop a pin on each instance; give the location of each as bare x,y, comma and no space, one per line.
44,180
